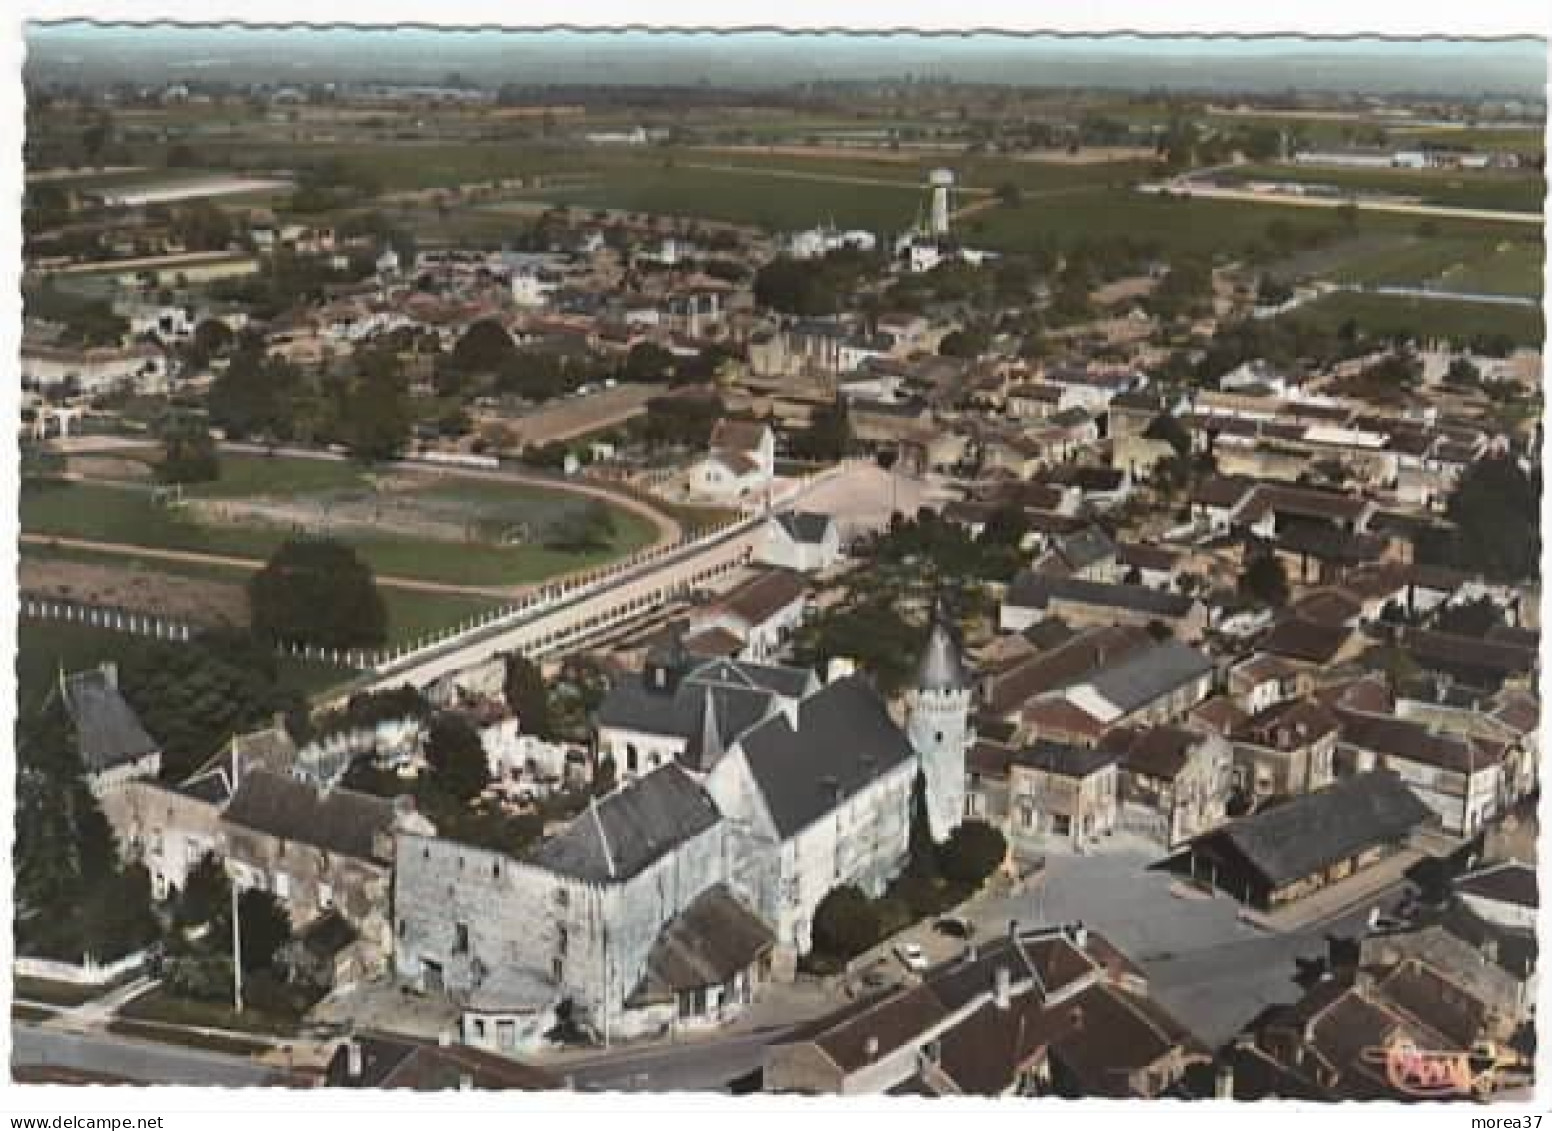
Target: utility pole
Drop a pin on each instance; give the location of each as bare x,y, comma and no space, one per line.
237,999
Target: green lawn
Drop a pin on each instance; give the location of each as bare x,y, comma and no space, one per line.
131,517
1424,317
248,475
161,1005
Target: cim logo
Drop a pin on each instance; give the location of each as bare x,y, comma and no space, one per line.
1443,1074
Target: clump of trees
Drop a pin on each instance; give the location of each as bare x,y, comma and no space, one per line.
937,877
188,451
317,591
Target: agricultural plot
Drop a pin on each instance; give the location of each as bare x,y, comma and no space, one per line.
1418,318
1509,191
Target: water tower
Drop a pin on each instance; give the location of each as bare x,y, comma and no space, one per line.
940,183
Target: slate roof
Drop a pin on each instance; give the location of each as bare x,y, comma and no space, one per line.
1064,759
737,436
805,527
1157,752
744,692
1063,665
1402,738
1309,833
341,821
941,667
1299,639
1032,590
632,828
707,943
844,741
1506,882
1144,676
108,733
398,1062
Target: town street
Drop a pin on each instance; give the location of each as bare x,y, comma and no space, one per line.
1212,969
140,1061
693,1065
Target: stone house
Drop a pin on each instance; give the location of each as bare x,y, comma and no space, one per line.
818,796
169,829
659,715
1047,1012
762,613
1174,783
113,745
1286,750
318,850
1461,779
1062,795
580,920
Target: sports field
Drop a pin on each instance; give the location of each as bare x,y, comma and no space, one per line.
457,532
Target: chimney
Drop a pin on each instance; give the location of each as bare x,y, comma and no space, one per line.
1223,1083
110,673
1080,936
1003,994
465,1082
1013,926
871,1049
353,1059
445,1038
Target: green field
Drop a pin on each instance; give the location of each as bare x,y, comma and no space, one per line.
1510,191
1457,263
1388,315
131,517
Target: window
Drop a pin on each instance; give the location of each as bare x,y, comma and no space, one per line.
403,927
282,885
558,969
560,942
479,1029
630,756
156,843
325,896
506,1034
460,938
562,897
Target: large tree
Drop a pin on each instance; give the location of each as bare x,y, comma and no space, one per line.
1264,579
845,923
528,695
1496,511
457,756
188,451
317,591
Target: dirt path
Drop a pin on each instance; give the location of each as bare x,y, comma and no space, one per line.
254,564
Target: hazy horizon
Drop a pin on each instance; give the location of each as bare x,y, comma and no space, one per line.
155,52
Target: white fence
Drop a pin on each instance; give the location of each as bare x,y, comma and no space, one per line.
88,972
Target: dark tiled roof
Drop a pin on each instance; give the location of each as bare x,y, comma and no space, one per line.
1156,752
1305,835
1299,639
1062,666
1066,760
1145,675
1032,590
107,730
1422,993
339,820
396,1062
707,943
805,526
764,595
942,668
1508,882
844,740
743,693
1409,740
632,828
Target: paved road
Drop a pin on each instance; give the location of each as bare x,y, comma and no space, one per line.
695,1065
1205,964
129,1059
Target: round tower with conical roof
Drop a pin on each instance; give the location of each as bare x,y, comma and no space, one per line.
938,726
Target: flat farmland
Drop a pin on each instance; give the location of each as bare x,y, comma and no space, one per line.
1391,315
1466,265
1506,190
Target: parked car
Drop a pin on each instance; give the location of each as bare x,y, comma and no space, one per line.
911,956
954,927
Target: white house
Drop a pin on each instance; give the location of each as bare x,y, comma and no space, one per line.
801,541
740,464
